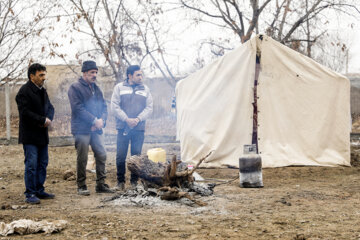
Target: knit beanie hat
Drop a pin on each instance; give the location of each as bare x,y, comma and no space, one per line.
88,65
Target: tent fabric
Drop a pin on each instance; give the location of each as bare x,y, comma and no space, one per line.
304,109
213,108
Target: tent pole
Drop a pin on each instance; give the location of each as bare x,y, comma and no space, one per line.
255,109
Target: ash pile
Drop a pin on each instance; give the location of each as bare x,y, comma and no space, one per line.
163,184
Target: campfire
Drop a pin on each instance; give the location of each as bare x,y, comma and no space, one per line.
164,181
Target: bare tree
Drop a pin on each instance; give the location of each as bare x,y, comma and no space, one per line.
334,57
289,22
123,32
106,28
231,13
148,29
17,35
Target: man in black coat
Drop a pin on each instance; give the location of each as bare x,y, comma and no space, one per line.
88,118
35,113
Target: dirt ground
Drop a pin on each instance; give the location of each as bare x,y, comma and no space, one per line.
295,203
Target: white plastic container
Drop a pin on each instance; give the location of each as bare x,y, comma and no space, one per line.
156,154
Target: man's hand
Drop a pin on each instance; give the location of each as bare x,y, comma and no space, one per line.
132,122
47,122
99,123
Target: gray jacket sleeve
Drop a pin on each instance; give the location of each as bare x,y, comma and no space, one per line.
115,104
145,114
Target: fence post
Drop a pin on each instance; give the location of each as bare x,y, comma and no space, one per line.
8,111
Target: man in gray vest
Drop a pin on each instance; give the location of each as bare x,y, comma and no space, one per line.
132,104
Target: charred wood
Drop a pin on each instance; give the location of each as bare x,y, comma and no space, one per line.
162,174
173,179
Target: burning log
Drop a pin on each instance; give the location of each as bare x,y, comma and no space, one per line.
149,171
173,180
162,174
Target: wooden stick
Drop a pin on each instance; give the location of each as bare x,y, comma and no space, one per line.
189,172
173,167
201,160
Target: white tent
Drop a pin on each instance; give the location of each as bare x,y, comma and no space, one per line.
303,109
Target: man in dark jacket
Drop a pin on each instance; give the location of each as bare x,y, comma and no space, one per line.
88,118
35,113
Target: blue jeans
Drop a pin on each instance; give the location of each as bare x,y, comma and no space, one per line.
36,161
136,138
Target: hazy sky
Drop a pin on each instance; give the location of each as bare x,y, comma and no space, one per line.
184,45
354,52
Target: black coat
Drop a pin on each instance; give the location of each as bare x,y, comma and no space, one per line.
34,107
86,105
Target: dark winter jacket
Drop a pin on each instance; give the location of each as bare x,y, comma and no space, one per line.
34,107
86,105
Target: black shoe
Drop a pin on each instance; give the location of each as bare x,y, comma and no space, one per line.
103,188
45,195
33,199
83,191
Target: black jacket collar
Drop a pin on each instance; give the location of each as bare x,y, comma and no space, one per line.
34,88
